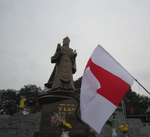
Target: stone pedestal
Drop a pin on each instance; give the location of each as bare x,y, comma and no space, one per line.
68,105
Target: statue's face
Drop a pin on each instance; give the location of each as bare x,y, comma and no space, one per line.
66,42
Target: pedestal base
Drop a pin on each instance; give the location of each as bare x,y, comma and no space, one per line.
66,103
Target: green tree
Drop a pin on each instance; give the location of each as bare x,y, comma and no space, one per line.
77,84
8,103
10,99
138,102
30,93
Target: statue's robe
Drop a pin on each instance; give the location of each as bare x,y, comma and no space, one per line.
61,77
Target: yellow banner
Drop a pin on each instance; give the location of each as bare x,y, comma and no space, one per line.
22,103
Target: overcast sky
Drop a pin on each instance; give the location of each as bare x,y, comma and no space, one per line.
31,29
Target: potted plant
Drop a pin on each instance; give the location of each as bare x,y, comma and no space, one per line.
59,121
124,129
110,122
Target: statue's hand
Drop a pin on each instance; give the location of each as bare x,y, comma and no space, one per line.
75,53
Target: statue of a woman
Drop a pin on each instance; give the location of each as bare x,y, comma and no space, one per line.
65,65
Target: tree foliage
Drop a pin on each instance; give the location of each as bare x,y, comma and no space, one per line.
8,103
77,84
10,99
138,102
30,93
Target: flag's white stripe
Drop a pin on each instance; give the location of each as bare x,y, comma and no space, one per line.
103,59
97,112
89,87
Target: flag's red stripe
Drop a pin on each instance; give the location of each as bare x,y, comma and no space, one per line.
112,88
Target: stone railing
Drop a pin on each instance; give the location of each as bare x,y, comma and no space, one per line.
19,125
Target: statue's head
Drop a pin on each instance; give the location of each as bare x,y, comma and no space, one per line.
66,41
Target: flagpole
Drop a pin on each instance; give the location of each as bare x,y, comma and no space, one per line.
142,86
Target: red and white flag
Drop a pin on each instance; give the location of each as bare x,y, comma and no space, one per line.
104,84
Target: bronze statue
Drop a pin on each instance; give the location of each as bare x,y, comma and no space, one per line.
65,65
61,92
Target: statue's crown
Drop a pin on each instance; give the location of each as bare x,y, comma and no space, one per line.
66,38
